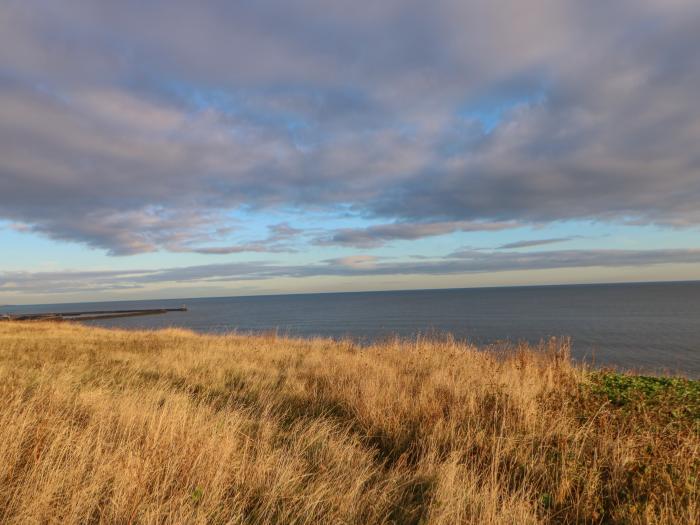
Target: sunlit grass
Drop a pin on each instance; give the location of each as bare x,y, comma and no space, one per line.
175,427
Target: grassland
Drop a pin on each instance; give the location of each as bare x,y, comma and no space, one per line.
100,426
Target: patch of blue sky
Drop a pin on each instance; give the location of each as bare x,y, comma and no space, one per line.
593,235
491,110
29,251
571,235
309,116
24,250
575,235
235,103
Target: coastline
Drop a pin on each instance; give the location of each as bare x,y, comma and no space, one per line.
652,329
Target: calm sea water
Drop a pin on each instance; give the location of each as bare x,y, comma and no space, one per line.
651,327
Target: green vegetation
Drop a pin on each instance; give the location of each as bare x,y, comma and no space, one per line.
674,398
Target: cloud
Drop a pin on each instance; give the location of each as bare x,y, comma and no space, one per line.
135,127
125,233
534,242
378,235
355,261
283,231
240,248
277,241
464,262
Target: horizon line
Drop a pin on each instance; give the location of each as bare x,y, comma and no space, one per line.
555,285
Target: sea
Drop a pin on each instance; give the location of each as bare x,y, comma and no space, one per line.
646,328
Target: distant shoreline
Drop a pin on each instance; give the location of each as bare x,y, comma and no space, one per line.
181,299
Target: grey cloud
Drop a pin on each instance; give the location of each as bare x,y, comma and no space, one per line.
283,231
277,241
241,248
378,235
127,233
355,261
368,106
533,242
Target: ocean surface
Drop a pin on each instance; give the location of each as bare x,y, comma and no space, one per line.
651,327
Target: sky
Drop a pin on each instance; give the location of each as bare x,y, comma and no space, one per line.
163,149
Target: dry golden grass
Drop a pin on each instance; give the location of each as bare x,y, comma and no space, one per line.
100,426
